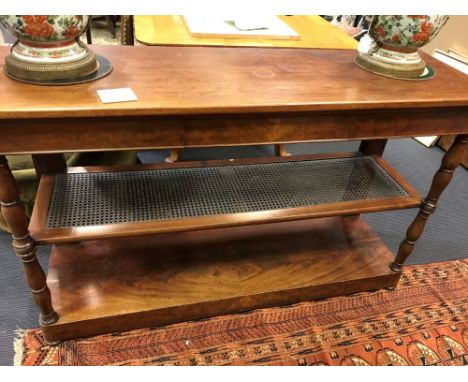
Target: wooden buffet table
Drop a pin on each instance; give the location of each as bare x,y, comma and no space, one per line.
171,30
153,244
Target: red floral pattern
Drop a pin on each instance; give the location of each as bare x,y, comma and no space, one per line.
380,30
410,31
71,32
37,26
48,28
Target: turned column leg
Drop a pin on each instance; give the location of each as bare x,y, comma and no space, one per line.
280,150
174,156
442,178
25,248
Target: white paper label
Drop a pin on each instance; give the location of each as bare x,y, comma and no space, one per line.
117,95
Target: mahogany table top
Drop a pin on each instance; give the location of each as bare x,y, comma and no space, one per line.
173,81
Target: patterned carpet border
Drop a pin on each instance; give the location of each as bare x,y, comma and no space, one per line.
424,321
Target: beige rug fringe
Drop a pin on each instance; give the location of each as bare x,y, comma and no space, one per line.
18,345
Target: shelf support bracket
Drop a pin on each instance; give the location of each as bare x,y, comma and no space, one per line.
13,212
442,178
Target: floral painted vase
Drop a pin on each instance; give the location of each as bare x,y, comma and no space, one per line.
395,43
48,46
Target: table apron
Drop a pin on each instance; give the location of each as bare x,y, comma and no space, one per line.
21,136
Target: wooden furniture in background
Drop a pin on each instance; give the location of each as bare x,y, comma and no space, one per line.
314,31
214,263
127,36
105,22
265,27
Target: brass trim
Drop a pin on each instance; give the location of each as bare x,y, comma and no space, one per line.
9,204
50,71
29,260
405,72
36,291
20,238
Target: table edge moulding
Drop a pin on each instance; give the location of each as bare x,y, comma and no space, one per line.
147,245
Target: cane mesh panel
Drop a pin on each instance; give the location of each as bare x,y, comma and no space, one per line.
120,197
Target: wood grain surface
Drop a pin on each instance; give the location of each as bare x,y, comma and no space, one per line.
218,80
101,286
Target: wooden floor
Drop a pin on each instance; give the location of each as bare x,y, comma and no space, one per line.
182,276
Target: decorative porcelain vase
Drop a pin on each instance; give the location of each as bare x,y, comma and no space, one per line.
395,41
48,47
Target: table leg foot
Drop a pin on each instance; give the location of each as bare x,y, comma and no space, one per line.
52,343
395,267
49,319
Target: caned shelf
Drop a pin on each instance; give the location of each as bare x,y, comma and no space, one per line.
110,202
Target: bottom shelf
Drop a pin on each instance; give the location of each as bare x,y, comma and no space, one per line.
122,284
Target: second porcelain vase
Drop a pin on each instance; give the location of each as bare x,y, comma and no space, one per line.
396,40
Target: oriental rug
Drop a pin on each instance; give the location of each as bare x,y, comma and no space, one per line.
424,321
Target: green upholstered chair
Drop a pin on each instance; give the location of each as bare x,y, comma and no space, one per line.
23,170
